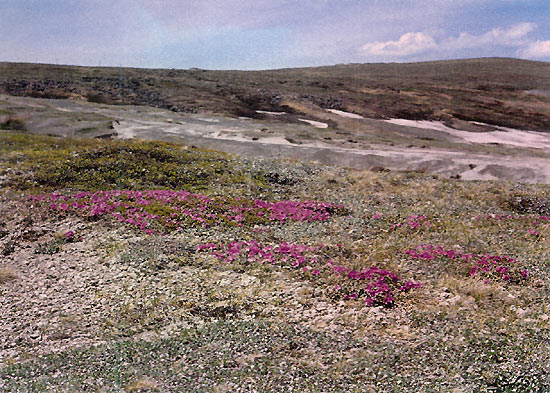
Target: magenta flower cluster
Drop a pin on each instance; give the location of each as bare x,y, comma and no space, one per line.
381,285
295,254
489,266
375,285
377,216
413,222
172,210
534,224
70,237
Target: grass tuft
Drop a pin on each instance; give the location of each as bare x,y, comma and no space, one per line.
7,274
142,385
13,123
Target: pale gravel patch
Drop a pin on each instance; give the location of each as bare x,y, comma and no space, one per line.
316,124
53,304
271,113
503,135
349,115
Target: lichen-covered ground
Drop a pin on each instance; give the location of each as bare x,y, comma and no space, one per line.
264,276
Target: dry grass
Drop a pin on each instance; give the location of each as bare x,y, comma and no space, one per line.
481,292
7,274
142,385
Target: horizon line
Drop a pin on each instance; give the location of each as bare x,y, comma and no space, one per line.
278,69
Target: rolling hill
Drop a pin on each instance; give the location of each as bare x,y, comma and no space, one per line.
498,91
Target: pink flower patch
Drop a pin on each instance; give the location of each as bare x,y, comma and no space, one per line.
180,207
496,267
379,286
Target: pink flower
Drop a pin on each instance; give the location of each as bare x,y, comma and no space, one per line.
210,246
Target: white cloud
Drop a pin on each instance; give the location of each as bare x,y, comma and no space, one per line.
535,50
515,37
512,36
408,44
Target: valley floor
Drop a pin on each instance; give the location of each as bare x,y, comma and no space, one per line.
472,151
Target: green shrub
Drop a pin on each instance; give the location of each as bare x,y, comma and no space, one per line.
84,164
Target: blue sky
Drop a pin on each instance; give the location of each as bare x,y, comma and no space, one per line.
262,34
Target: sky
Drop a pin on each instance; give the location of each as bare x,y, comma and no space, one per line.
267,34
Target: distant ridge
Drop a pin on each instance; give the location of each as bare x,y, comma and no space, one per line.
488,90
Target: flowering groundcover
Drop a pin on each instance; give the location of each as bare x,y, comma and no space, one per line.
489,267
374,285
162,211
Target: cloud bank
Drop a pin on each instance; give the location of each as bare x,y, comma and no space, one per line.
512,36
536,50
416,43
408,44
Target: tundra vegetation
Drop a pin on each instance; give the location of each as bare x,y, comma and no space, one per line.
149,266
